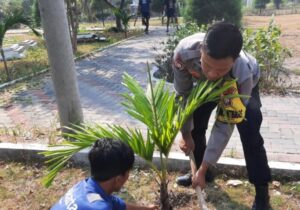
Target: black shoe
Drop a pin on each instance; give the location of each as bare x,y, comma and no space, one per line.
186,180
262,199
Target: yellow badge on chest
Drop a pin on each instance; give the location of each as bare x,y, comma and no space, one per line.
231,110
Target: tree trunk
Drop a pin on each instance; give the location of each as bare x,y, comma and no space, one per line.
61,61
73,22
86,7
8,76
75,14
118,24
164,196
102,12
118,20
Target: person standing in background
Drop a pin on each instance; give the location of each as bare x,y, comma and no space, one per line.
144,8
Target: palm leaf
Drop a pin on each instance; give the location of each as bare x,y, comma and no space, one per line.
13,19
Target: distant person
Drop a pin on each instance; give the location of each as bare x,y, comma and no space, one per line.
110,163
144,8
170,12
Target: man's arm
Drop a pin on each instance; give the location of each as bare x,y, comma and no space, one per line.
220,135
183,85
221,132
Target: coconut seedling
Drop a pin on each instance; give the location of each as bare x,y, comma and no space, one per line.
157,108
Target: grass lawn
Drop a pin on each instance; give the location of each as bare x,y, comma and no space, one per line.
37,59
20,188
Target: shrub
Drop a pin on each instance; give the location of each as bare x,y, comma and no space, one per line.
207,11
264,45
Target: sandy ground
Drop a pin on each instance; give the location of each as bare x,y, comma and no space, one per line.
290,27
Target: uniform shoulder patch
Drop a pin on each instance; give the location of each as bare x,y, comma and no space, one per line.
178,63
91,197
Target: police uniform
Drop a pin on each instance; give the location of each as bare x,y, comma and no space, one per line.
187,67
88,195
145,8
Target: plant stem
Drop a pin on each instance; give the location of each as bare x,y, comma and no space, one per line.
5,64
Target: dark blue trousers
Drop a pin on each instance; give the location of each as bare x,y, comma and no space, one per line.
249,130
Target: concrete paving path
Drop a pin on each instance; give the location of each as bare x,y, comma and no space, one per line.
100,77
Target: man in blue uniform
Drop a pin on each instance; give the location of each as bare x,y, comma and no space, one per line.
217,54
170,11
144,7
110,163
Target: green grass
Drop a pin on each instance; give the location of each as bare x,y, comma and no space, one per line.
37,59
22,189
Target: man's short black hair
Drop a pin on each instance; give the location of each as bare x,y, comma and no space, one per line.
223,40
109,158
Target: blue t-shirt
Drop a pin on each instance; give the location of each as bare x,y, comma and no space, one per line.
145,6
88,195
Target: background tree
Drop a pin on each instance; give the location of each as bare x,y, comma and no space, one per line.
100,10
7,23
125,17
86,7
73,14
26,7
207,11
8,7
121,4
36,16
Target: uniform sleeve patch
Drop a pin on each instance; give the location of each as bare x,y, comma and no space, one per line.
178,63
91,197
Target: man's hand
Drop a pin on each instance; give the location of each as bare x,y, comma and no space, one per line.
199,178
186,143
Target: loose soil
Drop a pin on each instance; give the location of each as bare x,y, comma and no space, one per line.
20,188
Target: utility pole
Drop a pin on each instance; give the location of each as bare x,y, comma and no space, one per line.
62,65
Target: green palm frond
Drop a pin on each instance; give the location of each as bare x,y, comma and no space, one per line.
134,138
13,19
136,102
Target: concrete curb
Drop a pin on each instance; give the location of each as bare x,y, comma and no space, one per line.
29,153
